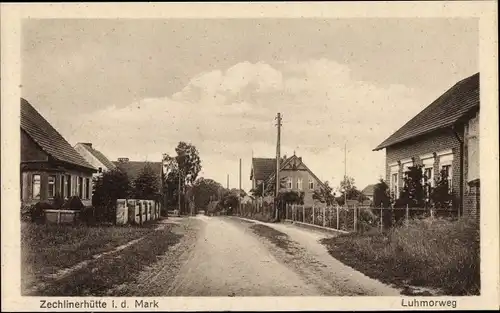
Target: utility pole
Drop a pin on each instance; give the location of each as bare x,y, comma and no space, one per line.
345,174
227,182
239,191
278,161
179,192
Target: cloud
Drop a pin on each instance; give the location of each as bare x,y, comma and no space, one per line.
229,113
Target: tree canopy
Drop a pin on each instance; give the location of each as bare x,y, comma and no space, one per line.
324,194
145,186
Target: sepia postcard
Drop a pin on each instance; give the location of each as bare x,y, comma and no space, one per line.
295,156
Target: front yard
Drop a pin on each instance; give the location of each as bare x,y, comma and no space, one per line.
435,253
46,249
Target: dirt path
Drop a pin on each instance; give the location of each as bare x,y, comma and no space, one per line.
220,256
312,259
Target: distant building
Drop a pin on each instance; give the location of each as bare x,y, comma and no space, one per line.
368,191
94,157
295,175
443,137
49,164
134,168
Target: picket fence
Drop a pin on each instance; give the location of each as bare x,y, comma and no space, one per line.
359,218
136,211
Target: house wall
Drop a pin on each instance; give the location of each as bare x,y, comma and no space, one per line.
471,166
30,151
91,159
27,184
305,176
435,142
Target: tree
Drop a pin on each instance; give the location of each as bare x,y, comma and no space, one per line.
290,197
183,169
146,185
107,188
441,196
381,194
347,189
188,162
324,194
412,194
230,202
205,190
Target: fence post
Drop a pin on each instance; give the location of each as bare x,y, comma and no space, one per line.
432,212
338,220
355,219
313,214
303,214
324,216
58,217
407,215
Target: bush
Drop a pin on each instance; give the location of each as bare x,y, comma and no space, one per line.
37,211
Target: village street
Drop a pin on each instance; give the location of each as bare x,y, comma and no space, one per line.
225,256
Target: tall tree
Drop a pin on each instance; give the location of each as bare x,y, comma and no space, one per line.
183,169
205,190
188,162
324,194
146,184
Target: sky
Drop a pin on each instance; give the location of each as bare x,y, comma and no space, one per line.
135,88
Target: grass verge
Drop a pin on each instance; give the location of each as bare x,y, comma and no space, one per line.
113,269
435,253
276,237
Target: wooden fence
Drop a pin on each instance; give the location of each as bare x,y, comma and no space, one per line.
260,210
359,218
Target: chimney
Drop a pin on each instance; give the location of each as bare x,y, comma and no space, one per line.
122,159
88,144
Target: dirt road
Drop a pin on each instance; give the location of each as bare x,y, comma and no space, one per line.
224,256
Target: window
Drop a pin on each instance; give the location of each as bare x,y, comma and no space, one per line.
35,188
100,169
445,164
289,183
80,187
299,184
68,186
87,188
394,185
311,184
446,170
62,186
52,186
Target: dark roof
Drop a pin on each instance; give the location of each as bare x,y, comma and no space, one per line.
98,155
368,190
48,138
263,167
133,168
444,112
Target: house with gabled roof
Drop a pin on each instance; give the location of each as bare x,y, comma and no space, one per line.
94,157
294,175
443,138
49,164
368,191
